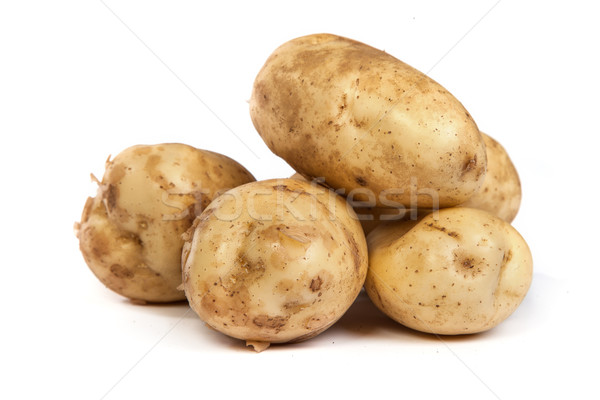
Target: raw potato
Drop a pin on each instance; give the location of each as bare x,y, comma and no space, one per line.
463,273
501,190
274,261
368,123
130,233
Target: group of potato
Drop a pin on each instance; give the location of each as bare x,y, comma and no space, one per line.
373,141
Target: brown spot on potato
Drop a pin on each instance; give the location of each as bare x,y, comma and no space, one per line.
249,269
470,165
315,322
266,321
315,284
121,272
112,192
353,250
439,228
209,304
295,306
507,257
99,241
443,229
361,181
284,285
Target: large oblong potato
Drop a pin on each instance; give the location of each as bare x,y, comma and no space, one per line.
274,261
130,233
500,193
368,123
464,272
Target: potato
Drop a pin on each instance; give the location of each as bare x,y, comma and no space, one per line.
130,233
501,190
464,272
274,261
367,123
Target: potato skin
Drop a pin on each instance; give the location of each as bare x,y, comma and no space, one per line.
463,273
130,233
500,193
274,261
363,120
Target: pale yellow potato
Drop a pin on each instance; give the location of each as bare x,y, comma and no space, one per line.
463,273
501,190
130,233
274,261
367,123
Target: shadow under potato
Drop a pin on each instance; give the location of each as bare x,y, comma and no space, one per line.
174,309
361,320
364,319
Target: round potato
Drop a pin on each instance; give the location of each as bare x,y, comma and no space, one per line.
367,123
462,272
500,193
130,233
274,261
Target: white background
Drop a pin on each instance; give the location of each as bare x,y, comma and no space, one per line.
80,80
